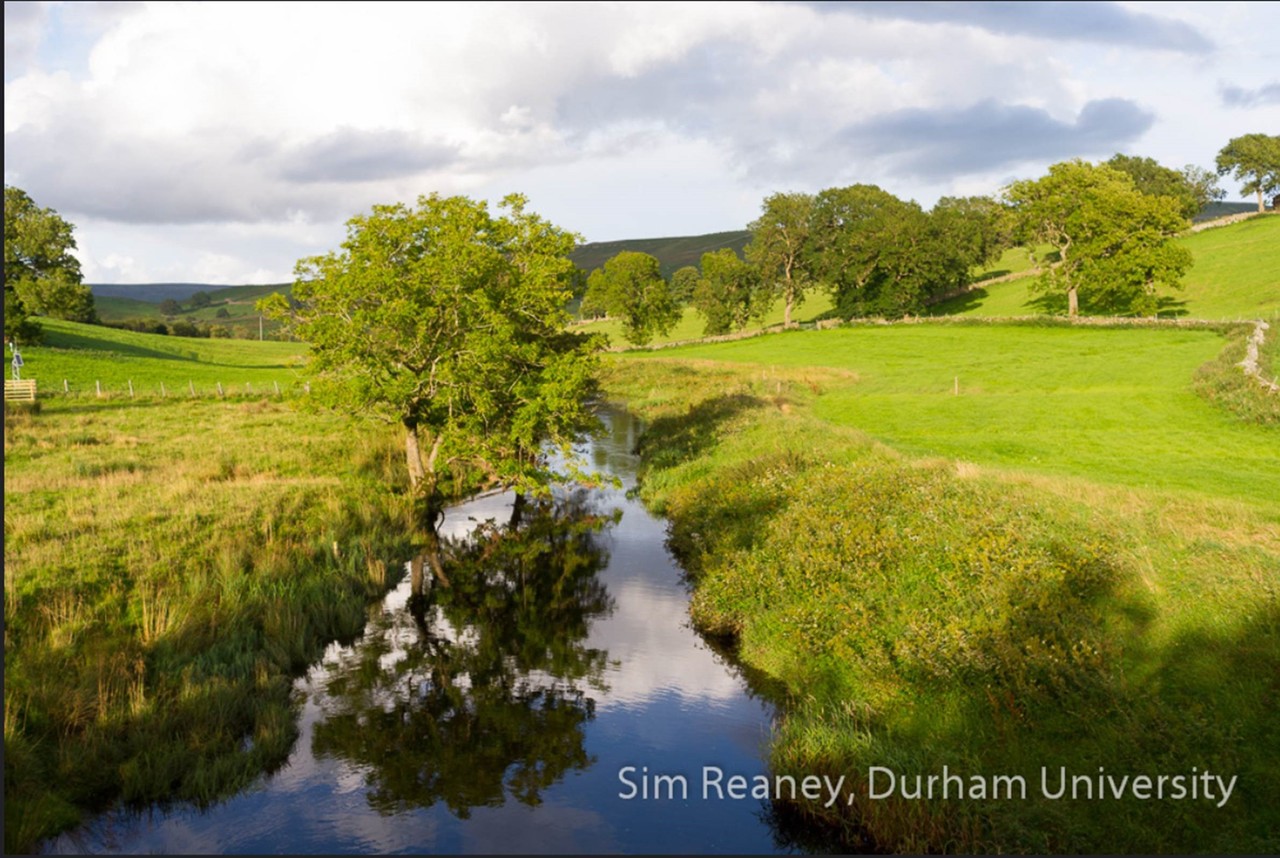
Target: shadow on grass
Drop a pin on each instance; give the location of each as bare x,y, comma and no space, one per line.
668,441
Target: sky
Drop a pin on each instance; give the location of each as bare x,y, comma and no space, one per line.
221,143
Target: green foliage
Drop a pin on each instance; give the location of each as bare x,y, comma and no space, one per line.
170,307
780,247
965,234
730,292
449,321
1193,187
1115,244
41,276
630,288
683,283
866,245
200,300
1254,160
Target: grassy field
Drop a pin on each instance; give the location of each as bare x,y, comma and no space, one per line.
1074,563
1109,405
84,354
1234,276
169,565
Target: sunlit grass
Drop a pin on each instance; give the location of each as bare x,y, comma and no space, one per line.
168,565
982,612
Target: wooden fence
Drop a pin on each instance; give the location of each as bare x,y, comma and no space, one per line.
20,390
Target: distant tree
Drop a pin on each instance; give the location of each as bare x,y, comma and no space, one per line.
221,332
871,247
1204,186
200,300
183,328
222,313
779,247
1255,160
1193,187
730,293
451,322
683,283
170,307
963,234
630,287
1114,243
595,298
41,276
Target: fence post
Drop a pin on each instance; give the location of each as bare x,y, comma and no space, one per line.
163,394
98,385
219,388
277,384
65,387
131,388
191,384
248,387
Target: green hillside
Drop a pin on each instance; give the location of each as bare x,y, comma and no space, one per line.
671,253
1235,275
85,354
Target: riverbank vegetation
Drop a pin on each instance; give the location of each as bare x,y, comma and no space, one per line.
932,595
169,566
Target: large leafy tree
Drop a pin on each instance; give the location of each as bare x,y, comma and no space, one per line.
41,276
872,248
450,321
963,232
630,287
1114,243
779,247
1193,187
730,293
1253,159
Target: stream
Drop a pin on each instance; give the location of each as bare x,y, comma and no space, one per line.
501,713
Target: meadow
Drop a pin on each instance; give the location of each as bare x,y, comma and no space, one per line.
86,356
1233,276
1073,562
170,564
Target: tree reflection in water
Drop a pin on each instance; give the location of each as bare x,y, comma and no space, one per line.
481,688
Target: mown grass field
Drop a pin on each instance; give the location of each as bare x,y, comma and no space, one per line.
1107,405
169,565
83,355
1078,567
1235,275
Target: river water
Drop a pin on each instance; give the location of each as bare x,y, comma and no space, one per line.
501,713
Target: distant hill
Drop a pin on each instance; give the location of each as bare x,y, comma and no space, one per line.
672,253
116,303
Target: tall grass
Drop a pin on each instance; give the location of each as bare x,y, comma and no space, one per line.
923,611
168,566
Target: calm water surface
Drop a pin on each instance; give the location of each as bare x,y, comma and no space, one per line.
495,715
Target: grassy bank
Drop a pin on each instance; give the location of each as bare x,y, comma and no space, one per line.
988,615
89,356
1232,277
169,565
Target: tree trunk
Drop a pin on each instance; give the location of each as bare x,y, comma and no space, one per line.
517,511
786,312
1260,209
1073,302
413,457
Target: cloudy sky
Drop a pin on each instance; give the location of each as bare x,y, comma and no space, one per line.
220,143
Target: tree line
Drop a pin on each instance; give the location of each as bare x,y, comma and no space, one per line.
1101,235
